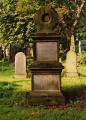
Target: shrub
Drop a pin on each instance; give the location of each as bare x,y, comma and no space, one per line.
81,58
29,62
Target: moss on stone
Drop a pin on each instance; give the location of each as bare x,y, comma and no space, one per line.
46,65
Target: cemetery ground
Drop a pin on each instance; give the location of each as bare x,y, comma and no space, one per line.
14,97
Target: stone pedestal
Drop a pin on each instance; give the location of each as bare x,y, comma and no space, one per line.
46,98
46,74
46,83
46,69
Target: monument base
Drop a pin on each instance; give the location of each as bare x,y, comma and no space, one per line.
46,83
20,76
46,98
71,74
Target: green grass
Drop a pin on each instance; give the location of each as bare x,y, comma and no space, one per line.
73,87
14,92
23,113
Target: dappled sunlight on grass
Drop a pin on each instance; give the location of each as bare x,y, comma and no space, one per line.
38,113
7,75
14,96
75,81
73,87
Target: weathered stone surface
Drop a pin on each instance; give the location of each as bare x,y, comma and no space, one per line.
46,98
47,51
46,82
20,65
71,66
72,47
46,19
50,65
71,60
46,69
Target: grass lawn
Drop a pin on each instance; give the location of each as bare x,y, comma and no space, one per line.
13,98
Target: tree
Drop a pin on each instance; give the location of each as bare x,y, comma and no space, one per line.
15,26
69,16
69,12
16,21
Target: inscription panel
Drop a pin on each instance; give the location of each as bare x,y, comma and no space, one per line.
46,82
46,51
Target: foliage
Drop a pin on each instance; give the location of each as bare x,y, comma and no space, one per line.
81,27
82,58
16,24
15,27
27,6
29,62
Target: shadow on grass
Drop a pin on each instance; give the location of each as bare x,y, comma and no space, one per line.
23,80
82,75
9,94
73,93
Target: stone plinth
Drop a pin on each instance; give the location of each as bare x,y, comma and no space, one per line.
20,65
46,83
46,98
71,65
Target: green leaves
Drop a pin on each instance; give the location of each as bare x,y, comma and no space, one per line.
15,23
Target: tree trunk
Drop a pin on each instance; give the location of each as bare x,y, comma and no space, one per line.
12,53
70,32
1,53
4,54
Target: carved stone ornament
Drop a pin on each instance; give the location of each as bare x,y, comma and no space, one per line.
46,19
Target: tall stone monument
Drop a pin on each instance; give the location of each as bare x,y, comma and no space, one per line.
71,60
20,65
46,69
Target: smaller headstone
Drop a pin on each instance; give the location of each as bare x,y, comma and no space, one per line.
71,66
79,46
71,60
20,65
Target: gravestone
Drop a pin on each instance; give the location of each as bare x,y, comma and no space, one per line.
20,65
46,69
71,60
79,46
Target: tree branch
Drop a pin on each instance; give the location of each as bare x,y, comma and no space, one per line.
79,10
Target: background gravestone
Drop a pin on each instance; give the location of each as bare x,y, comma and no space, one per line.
71,60
20,65
79,46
